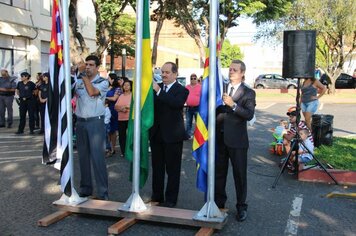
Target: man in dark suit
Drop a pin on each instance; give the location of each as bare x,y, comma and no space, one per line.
167,135
232,137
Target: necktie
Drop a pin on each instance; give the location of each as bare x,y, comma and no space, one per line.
231,91
165,88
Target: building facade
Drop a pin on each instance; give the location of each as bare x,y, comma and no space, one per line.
25,33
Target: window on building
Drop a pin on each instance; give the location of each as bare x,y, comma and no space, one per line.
24,4
13,54
44,55
46,7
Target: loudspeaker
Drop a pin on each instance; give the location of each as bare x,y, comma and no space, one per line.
299,53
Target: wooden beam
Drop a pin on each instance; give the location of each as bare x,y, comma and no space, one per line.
53,218
205,232
153,213
121,226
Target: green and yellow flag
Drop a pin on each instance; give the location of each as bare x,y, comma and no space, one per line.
146,102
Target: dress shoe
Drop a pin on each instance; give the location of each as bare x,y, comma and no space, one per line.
9,126
31,132
2,126
83,195
19,132
167,204
241,215
155,199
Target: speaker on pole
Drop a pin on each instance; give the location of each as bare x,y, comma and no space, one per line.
299,53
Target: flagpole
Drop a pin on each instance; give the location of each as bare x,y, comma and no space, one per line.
74,199
210,211
135,203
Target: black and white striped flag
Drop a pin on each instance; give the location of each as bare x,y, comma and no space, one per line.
55,148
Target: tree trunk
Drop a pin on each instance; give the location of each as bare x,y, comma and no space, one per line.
159,25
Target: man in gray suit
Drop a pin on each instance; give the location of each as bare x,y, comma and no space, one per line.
7,92
232,137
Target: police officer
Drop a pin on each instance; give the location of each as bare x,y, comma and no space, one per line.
42,97
25,90
91,91
7,92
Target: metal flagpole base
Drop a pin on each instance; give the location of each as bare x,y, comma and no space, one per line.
134,204
211,213
72,200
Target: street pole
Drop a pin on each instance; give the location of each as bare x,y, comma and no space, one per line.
123,62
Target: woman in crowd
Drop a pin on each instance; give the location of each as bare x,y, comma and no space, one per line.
123,107
112,96
310,98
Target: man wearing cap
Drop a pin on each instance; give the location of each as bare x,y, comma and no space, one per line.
90,91
25,90
7,92
287,138
192,102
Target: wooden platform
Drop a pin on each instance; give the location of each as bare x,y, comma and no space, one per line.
153,213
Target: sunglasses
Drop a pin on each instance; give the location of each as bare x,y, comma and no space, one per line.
193,78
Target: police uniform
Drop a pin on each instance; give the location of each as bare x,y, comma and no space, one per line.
6,100
44,94
90,131
27,103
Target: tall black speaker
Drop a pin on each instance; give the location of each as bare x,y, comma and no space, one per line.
299,53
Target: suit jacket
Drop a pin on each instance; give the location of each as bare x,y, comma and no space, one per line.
168,113
232,125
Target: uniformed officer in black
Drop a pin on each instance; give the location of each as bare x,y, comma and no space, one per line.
42,96
25,90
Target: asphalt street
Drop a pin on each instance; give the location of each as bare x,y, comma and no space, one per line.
28,189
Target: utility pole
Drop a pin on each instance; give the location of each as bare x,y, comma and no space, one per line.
123,62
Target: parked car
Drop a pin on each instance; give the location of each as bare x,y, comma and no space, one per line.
274,81
345,81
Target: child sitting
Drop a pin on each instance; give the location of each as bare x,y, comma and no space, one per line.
278,132
305,150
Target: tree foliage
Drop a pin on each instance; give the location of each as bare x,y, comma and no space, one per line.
335,24
194,15
114,28
228,53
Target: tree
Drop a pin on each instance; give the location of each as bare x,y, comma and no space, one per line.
335,24
228,53
110,17
194,15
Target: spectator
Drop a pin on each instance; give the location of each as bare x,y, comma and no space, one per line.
122,106
310,98
7,92
37,107
112,95
290,135
107,128
167,135
192,103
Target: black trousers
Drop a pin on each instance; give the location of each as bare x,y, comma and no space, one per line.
166,157
27,106
122,134
238,159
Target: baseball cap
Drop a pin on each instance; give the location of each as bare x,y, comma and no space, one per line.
292,111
